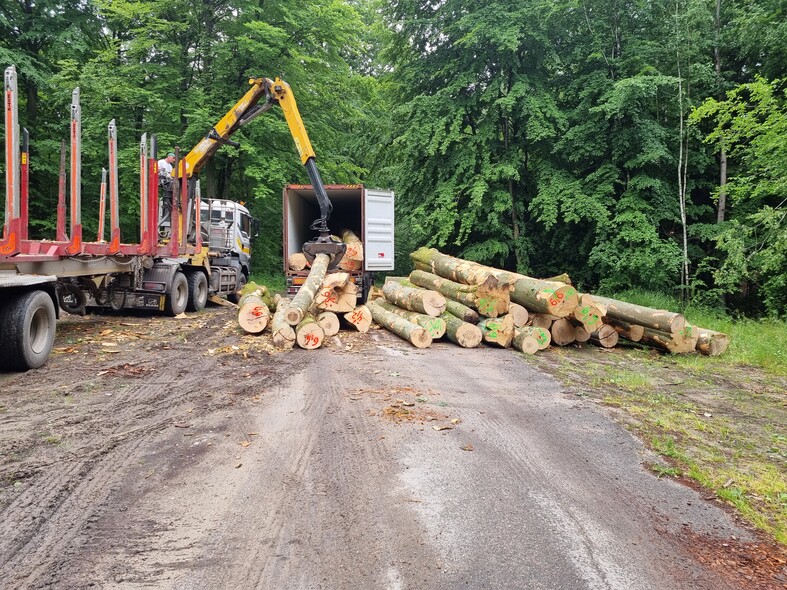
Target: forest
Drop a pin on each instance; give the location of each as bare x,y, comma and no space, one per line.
627,143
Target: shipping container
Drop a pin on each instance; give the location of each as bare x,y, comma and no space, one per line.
369,213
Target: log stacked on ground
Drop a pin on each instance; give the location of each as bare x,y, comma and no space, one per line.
360,318
409,331
421,300
499,331
711,343
460,332
434,325
489,298
253,313
303,300
308,333
283,333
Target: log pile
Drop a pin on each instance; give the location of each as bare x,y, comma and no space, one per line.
465,303
506,309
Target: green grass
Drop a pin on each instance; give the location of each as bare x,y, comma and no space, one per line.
757,343
276,283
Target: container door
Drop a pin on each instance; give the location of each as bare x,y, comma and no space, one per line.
379,230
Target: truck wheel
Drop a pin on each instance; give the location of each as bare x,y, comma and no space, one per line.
178,296
28,324
235,297
198,291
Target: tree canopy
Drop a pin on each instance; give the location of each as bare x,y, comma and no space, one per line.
626,143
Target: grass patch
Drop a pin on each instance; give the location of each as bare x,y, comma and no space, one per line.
276,283
722,425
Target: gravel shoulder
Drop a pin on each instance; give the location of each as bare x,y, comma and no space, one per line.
163,453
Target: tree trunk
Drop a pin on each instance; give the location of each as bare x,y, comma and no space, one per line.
489,298
413,299
588,315
711,343
561,278
309,334
283,334
303,300
520,315
297,261
655,319
606,336
542,336
498,331
456,269
253,314
524,342
413,333
580,333
338,293
629,331
682,342
360,317
461,311
462,333
329,323
434,325
562,331
554,298
542,320
354,246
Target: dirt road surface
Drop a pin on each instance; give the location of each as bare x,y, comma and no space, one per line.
178,453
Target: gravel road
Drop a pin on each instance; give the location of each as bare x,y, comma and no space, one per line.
366,465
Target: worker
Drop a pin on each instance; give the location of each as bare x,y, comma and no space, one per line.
165,170
166,185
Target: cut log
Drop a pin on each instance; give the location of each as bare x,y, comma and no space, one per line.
253,313
711,343
562,332
655,319
462,333
461,311
297,261
580,333
631,332
593,301
456,269
309,334
606,336
542,320
335,279
588,315
489,298
683,342
421,300
360,317
542,336
499,331
409,331
520,315
350,265
303,300
329,322
434,325
283,333
561,278
354,246
554,298
339,298
524,342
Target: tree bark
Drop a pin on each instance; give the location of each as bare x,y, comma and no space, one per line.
711,343
461,311
460,332
283,333
489,298
414,299
303,300
655,319
456,269
434,325
606,336
629,331
413,333
499,331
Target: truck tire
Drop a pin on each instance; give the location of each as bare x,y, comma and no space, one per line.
178,296
28,331
198,291
235,297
